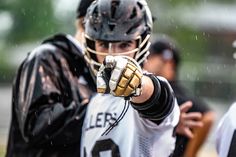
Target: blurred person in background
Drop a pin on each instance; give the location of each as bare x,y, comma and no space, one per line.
81,12
164,60
50,100
226,131
48,103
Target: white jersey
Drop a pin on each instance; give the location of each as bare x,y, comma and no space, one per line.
226,135
132,137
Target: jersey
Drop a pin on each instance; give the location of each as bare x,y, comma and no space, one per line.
226,134
133,136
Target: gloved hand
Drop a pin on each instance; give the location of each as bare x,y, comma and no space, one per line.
120,76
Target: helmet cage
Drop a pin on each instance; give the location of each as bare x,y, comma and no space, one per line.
140,52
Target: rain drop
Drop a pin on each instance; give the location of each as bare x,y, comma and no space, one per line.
77,117
234,44
234,55
49,121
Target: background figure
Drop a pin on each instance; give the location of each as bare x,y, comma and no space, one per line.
80,13
226,131
49,97
164,60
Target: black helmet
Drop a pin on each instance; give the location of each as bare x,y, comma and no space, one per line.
114,21
82,7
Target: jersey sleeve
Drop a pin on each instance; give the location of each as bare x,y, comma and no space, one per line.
226,134
46,100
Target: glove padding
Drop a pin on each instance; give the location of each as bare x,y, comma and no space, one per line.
120,76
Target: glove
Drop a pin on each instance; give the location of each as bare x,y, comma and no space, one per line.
120,76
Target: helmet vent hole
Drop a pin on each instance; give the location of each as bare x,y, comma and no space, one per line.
95,29
114,5
112,26
132,29
134,13
95,12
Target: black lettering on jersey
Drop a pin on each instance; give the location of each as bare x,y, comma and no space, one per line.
232,150
90,122
105,145
101,119
108,117
98,120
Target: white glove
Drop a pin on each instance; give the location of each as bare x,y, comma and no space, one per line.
120,76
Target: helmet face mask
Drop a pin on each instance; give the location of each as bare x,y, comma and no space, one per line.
117,21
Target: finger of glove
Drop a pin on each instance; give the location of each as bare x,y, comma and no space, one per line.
101,83
130,80
109,61
134,83
117,72
121,86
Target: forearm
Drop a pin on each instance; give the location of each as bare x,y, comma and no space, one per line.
200,135
160,104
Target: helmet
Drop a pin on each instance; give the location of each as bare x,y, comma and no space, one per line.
115,21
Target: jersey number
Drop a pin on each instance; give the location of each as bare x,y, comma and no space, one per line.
105,145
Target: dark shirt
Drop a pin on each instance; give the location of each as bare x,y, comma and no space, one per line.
182,96
47,109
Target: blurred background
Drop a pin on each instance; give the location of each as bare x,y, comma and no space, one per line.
203,29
